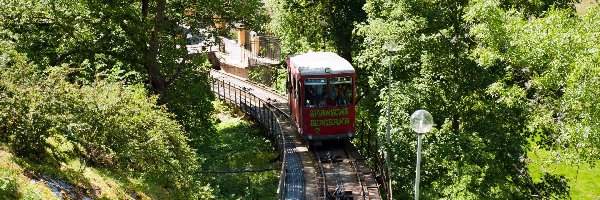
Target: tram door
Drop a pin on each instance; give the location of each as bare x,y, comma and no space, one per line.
294,98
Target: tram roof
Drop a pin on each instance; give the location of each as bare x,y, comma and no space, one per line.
316,63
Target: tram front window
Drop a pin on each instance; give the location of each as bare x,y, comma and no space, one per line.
340,91
315,94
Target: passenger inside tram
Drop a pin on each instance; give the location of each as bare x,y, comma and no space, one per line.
319,93
343,97
315,93
331,98
311,97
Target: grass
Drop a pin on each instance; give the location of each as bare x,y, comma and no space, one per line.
15,185
19,178
584,180
240,145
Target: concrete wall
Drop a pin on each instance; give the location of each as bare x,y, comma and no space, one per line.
238,71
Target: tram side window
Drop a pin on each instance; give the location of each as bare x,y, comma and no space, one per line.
293,87
315,93
341,90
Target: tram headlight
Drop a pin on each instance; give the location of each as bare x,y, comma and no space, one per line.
310,137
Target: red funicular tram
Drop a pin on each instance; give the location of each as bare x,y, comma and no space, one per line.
321,93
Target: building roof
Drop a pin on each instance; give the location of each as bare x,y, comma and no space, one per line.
315,63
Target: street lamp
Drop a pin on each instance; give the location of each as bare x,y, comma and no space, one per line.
421,122
390,48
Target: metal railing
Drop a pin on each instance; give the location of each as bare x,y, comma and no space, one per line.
375,155
266,114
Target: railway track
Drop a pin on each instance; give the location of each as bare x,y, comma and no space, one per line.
332,171
339,177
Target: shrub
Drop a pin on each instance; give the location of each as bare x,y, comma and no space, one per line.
9,188
189,99
110,124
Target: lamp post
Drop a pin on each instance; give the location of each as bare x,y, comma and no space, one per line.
390,48
421,122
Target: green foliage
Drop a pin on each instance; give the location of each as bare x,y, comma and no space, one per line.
137,41
280,77
481,107
285,23
104,33
9,188
102,76
270,76
538,7
324,25
190,100
110,124
554,59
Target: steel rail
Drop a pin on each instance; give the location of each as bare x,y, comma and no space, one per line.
322,169
357,172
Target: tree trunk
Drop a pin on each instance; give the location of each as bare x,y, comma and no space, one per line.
455,123
144,10
157,80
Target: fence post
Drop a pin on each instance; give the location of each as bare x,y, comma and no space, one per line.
272,123
376,153
219,88
245,104
260,113
362,135
270,114
229,89
235,94
369,141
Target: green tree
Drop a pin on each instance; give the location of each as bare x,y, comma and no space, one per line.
144,38
478,149
554,61
316,25
127,57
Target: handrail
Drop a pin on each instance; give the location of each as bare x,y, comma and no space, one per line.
264,112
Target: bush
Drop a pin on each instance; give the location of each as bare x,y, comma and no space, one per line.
110,124
9,189
189,99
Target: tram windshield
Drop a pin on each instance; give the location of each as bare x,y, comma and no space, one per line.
340,91
314,92
320,92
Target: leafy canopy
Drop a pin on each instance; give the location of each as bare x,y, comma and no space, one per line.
450,58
